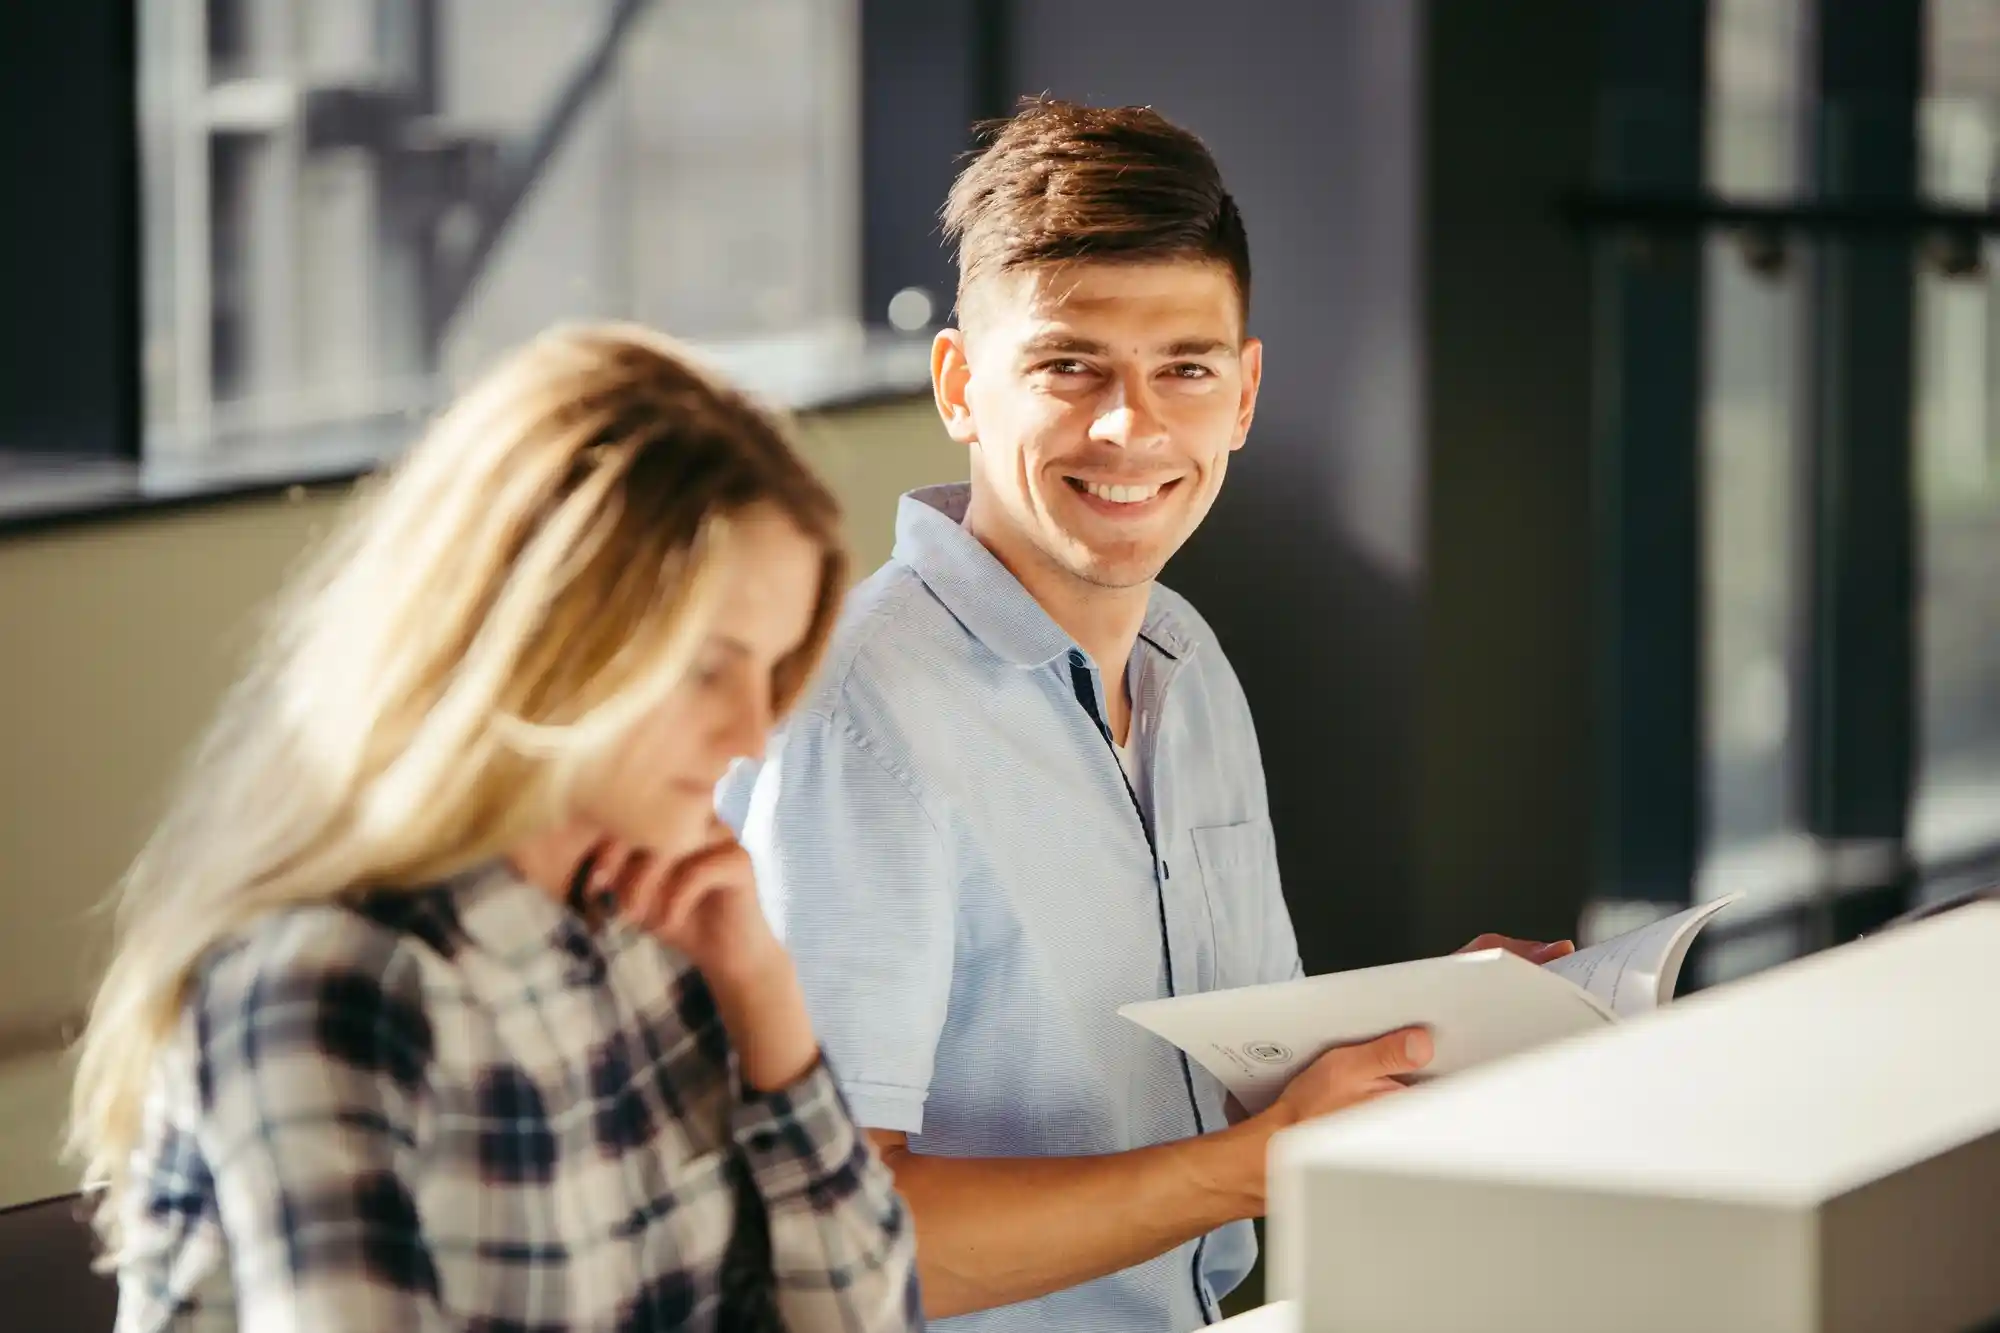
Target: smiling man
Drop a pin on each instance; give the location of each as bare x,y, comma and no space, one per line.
1027,790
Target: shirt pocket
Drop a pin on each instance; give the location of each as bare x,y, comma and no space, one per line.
1238,866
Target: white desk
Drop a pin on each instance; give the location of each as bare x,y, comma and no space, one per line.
1277,1317
1814,1150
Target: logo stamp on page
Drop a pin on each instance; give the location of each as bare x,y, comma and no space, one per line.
1268,1052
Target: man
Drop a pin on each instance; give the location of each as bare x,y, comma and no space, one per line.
1026,790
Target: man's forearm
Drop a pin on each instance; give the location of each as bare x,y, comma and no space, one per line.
993,1231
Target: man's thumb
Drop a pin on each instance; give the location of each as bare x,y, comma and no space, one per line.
1406,1051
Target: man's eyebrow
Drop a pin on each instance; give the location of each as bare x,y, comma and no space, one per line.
1048,343
1199,347
1056,344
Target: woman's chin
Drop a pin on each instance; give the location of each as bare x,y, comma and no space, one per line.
685,832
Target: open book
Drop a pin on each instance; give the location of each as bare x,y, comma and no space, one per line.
1478,1006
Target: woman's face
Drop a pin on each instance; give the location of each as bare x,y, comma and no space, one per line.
656,791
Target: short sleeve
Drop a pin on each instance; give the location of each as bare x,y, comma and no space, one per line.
857,880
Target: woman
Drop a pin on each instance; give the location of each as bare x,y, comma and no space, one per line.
440,1000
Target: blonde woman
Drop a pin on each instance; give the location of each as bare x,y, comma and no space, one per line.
440,1000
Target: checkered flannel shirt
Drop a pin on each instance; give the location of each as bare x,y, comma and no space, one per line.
463,1108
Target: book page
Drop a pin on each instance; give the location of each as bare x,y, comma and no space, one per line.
1478,1007
1637,971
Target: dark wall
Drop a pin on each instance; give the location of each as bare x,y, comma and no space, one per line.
929,72
1397,564
1507,722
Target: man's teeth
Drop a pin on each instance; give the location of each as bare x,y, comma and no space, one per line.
1122,495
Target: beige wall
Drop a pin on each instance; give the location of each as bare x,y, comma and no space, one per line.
118,637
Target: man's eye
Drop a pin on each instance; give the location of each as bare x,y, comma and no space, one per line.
1190,370
1065,368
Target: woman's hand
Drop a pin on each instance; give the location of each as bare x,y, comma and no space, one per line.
705,907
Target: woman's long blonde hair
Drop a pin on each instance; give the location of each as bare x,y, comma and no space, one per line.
528,580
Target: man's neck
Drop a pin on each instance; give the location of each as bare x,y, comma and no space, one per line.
1105,622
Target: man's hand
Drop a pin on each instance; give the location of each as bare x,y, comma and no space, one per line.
1532,950
992,1232
1349,1075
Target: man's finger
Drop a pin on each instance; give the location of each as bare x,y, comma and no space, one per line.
1401,1052
1535,951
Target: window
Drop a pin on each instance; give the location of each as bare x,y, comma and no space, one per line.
1750,464
1848,506
1957,808
349,203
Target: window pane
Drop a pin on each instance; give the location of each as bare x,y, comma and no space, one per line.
1750,496
328,229
1958,450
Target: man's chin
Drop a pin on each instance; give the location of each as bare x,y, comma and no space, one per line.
1117,564
1117,573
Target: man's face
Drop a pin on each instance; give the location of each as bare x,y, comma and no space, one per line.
1101,402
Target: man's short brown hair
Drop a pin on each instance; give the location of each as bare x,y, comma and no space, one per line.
1059,182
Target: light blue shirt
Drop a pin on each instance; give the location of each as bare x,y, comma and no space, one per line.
971,888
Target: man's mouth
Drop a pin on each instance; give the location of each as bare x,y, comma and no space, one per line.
1115,496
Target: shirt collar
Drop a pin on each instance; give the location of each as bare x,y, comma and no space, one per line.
524,928
988,600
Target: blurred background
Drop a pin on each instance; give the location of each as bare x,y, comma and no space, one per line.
1621,525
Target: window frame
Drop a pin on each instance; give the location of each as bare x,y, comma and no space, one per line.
72,431
1858,226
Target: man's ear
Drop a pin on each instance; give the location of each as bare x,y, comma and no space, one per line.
951,374
1252,362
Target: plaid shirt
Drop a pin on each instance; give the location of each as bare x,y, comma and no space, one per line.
462,1108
